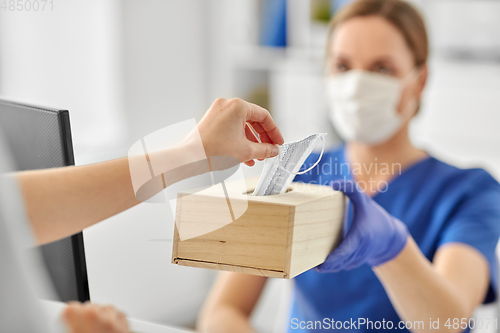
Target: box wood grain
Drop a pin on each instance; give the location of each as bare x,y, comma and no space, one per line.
277,236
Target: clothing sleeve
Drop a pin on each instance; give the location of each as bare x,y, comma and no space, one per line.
476,222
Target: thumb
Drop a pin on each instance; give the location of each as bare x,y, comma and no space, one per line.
262,150
342,256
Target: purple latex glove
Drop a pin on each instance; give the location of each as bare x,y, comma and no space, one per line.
374,237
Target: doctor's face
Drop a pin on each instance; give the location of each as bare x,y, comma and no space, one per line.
372,43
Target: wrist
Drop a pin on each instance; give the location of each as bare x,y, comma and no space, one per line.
404,261
394,244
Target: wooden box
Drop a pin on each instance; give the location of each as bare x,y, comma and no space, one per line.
277,236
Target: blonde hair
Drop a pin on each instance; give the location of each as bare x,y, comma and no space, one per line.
400,13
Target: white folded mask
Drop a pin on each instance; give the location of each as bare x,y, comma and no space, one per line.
280,170
363,105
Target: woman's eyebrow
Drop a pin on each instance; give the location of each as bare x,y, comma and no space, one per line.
340,56
384,59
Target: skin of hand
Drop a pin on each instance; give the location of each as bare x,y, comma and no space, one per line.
224,131
85,195
91,318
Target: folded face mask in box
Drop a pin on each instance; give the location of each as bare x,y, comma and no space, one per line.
279,171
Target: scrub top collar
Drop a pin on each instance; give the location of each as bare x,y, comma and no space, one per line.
345,166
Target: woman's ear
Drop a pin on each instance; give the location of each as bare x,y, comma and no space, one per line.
422,80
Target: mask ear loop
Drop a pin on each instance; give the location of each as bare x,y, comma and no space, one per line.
312,167
409,106
410,73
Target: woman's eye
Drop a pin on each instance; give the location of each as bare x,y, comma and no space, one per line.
382,69
341,68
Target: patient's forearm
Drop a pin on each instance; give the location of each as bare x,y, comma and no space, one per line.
63,201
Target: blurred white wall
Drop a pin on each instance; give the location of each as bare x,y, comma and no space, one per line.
461,108
68,58
164,54
461,112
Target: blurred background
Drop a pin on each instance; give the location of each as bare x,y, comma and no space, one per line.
127,68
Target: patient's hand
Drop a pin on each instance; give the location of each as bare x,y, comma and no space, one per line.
92,318
224,131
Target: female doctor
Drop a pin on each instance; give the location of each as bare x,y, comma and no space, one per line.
419,246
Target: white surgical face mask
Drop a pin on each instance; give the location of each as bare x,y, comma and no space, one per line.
363,105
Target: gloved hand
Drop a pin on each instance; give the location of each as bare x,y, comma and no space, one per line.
374,237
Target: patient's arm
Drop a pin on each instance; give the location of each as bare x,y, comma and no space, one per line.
230,303
63,201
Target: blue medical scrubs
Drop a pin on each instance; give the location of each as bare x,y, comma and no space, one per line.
439,204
